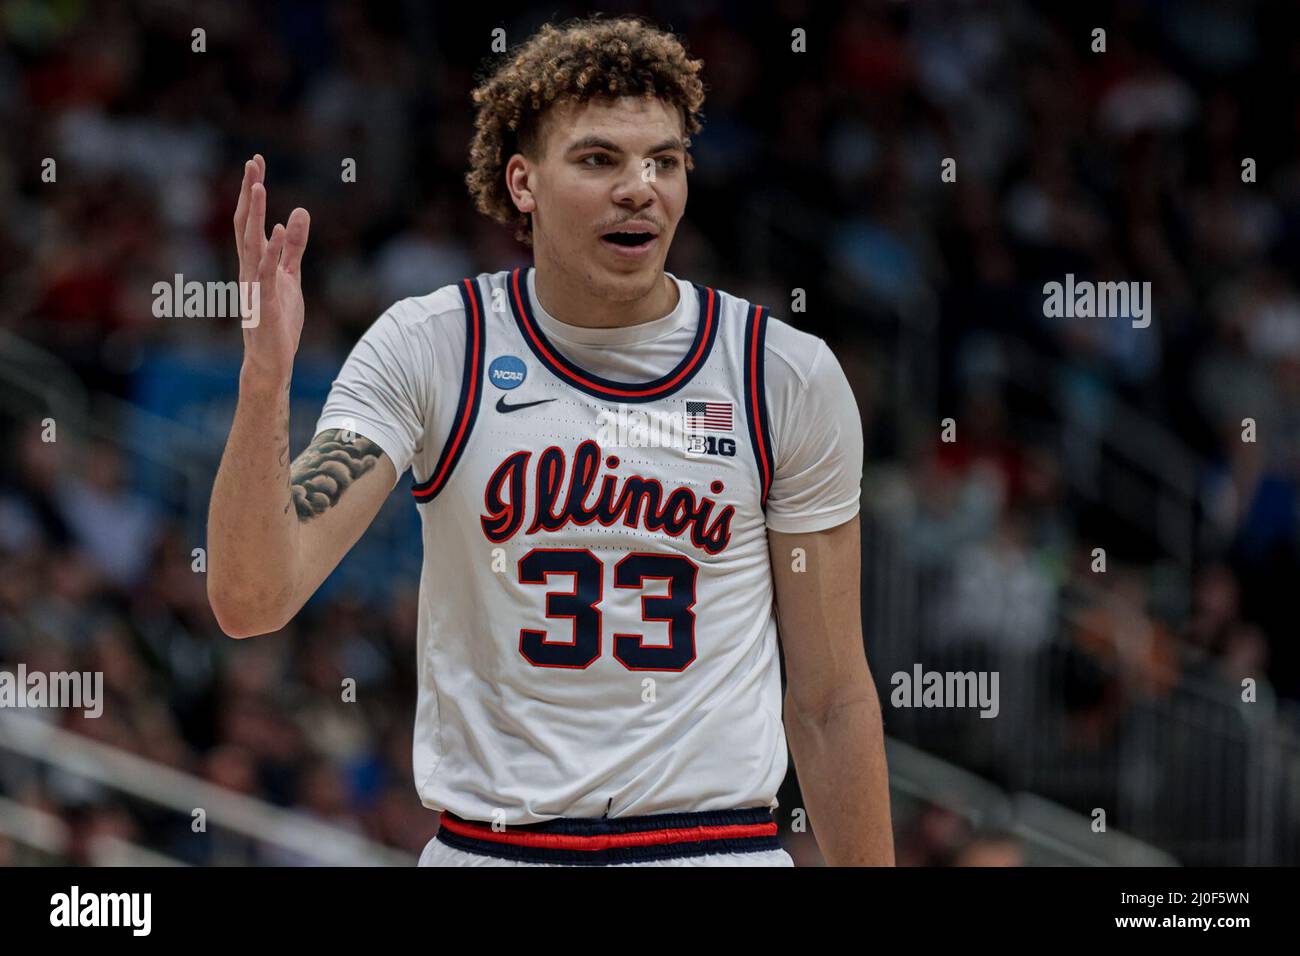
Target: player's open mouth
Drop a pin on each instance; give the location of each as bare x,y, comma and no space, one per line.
630,242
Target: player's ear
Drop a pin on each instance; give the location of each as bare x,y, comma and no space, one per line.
517,181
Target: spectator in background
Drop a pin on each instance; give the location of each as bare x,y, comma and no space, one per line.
1002,597
933,837
30,517
116,529
1132,653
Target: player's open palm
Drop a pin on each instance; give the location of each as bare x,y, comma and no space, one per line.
273,317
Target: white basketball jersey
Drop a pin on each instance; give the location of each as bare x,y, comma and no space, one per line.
597,632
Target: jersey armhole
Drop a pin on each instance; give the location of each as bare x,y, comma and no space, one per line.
471,388
760,434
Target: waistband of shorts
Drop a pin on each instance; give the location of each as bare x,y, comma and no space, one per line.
601,842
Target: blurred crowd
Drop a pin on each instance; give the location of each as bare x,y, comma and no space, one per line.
817,171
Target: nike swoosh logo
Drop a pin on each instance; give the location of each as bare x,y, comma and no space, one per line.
503,408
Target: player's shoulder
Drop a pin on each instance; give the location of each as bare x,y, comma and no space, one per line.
794,349
788,351
441,305
442,311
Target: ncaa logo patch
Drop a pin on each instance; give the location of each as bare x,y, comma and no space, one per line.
507,371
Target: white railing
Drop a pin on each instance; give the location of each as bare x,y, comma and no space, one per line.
52,838
1050,833
163,786
33,828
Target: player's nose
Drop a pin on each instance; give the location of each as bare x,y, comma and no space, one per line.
634,188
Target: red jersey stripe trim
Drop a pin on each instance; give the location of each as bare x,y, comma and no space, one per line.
470,401
610,841
542,348
756,383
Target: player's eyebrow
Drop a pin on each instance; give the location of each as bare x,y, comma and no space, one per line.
668,145
594,142
598,142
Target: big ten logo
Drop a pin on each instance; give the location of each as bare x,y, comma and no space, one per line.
710,445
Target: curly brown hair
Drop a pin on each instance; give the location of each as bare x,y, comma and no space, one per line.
575,62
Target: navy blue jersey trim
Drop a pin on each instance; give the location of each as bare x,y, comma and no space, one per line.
760,432
602,826
706,332
641,854
471,393
716,840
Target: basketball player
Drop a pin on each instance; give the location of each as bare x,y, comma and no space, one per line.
624,478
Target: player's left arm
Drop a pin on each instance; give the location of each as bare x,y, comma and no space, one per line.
832,711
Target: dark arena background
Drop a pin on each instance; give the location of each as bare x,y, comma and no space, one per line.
1100,507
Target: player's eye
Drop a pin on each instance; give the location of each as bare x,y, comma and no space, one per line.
595,159
668,162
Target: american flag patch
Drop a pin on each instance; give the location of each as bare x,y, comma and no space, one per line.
708,417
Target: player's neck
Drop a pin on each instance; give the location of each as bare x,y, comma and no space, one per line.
571,301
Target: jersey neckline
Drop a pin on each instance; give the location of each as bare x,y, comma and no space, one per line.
585,381
683,314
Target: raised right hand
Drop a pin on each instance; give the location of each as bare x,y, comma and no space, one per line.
271,341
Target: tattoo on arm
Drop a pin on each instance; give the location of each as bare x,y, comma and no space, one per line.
326,469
